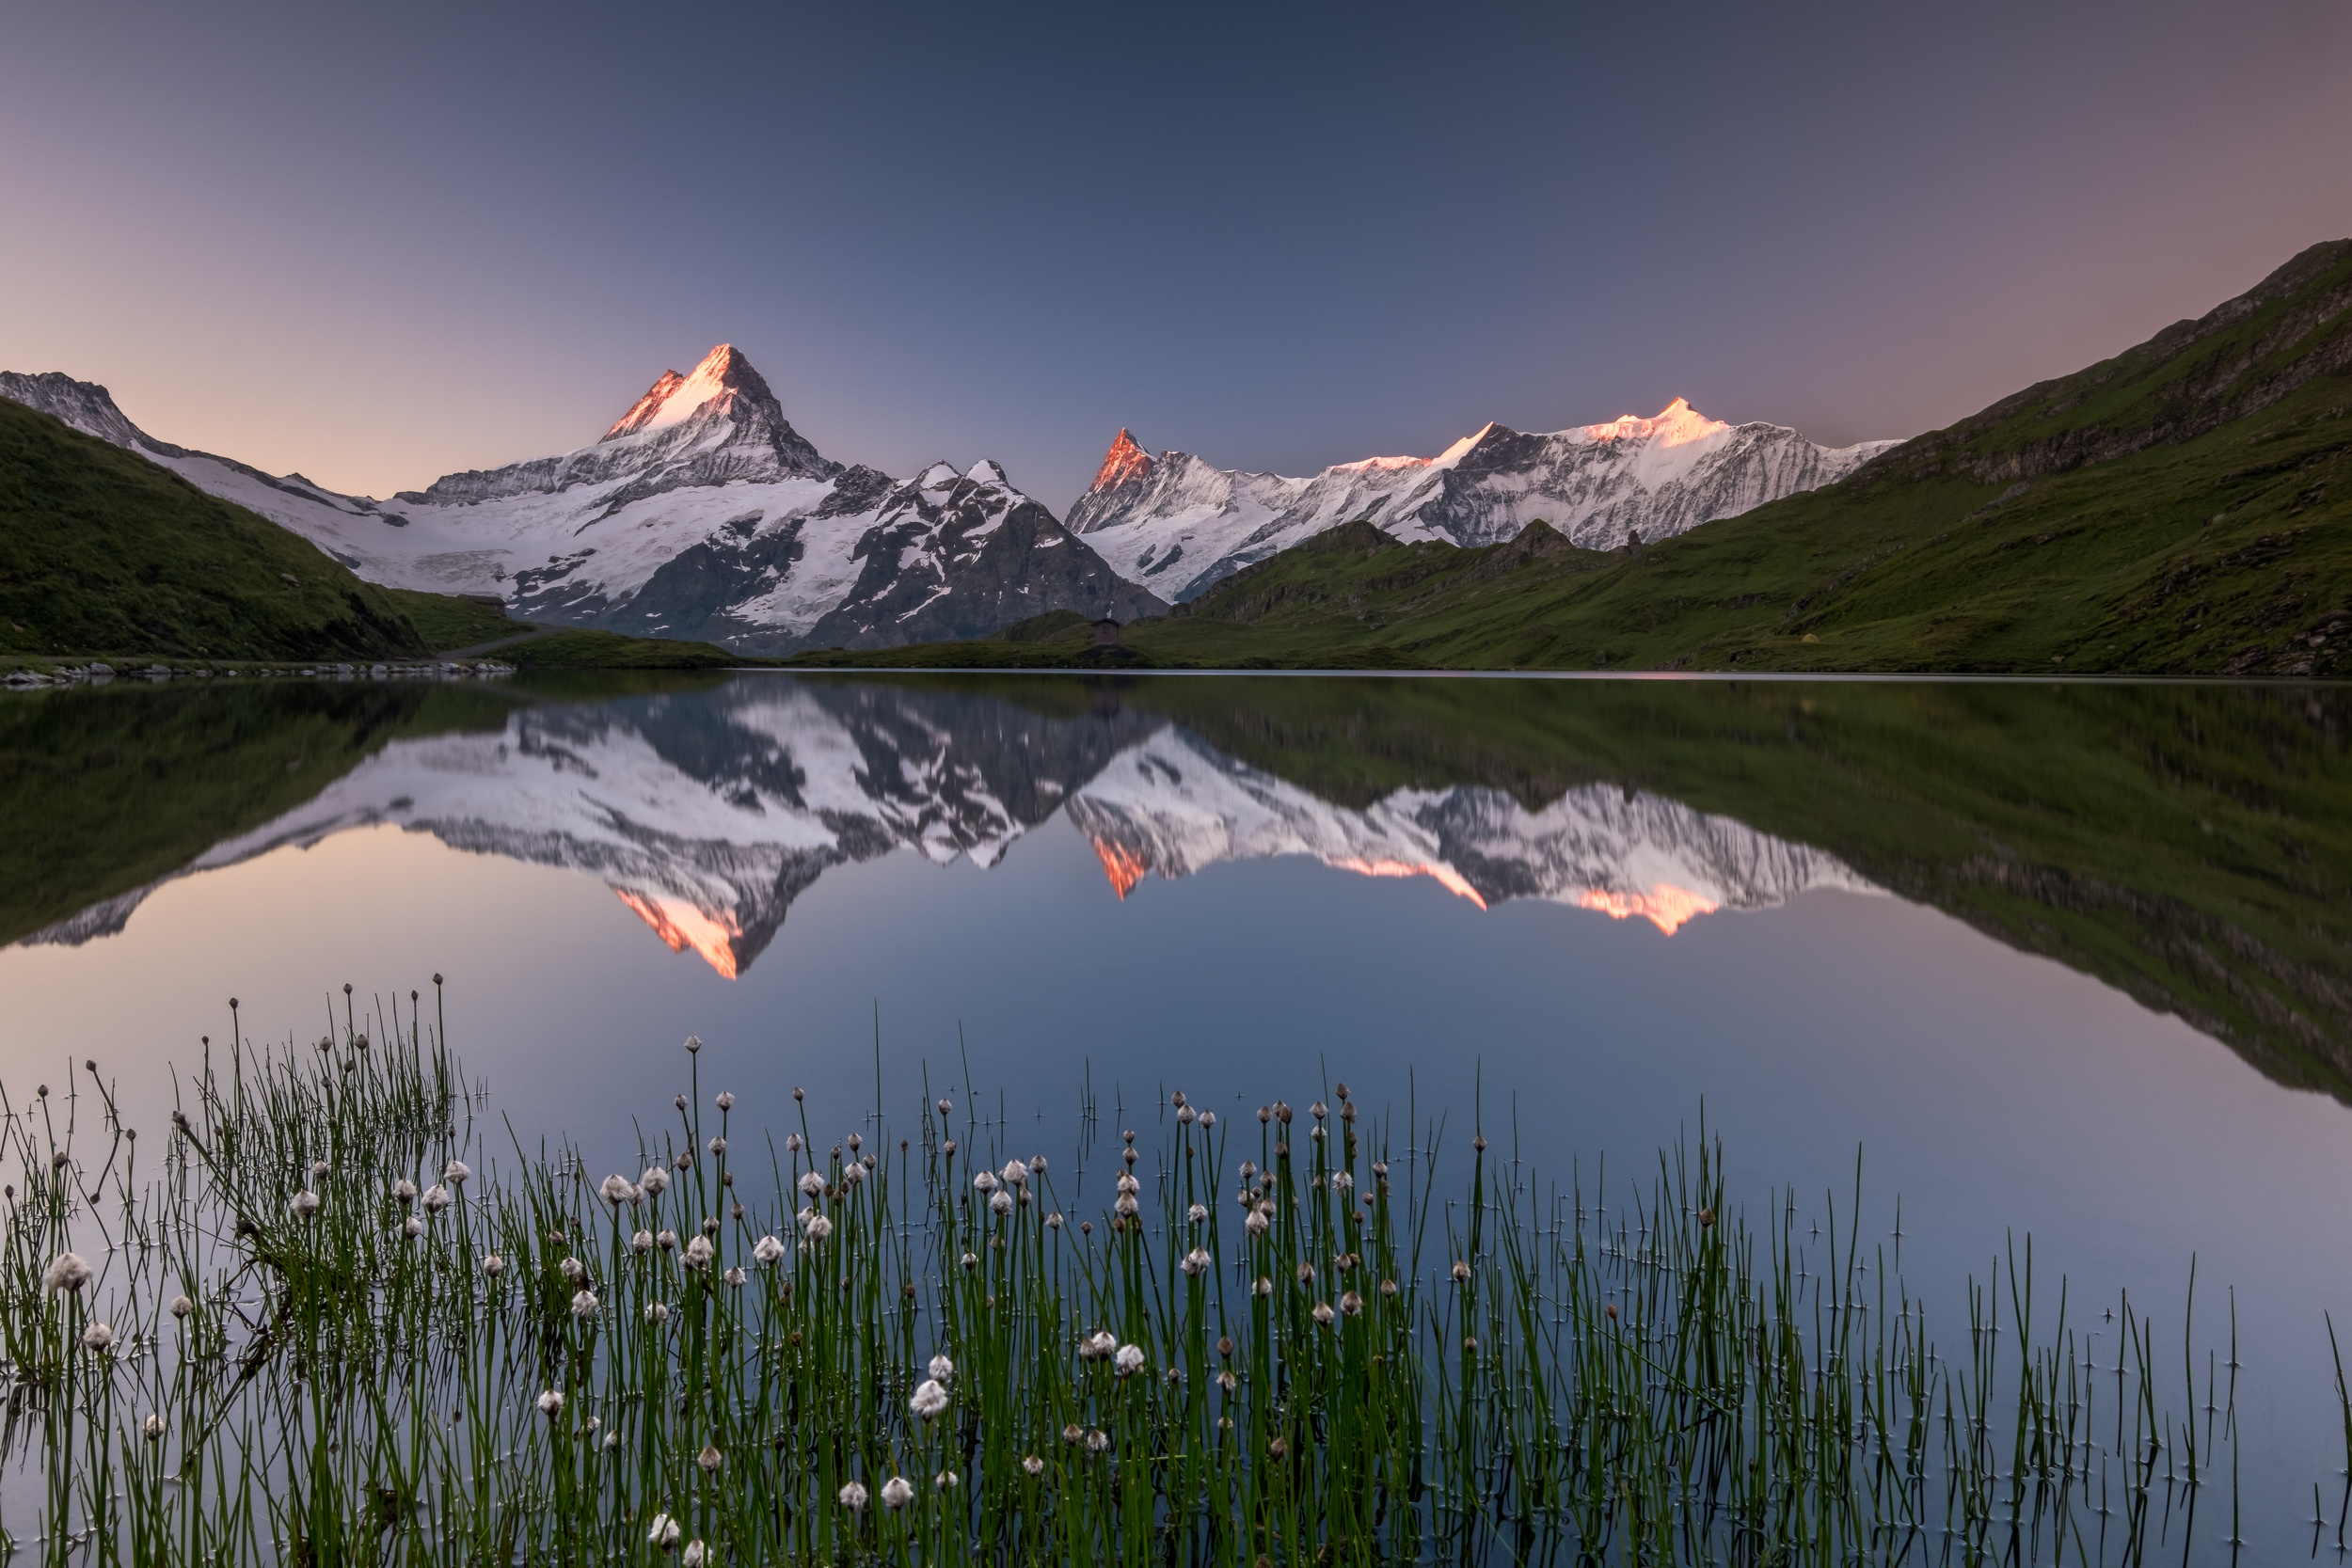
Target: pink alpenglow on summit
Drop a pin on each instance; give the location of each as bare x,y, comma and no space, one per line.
1180,526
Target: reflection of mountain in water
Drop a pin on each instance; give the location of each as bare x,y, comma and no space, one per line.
1171,804
707,813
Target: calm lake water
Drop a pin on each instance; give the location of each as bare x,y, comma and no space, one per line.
2066,961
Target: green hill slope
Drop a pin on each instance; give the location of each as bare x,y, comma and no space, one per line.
2182,508
102,552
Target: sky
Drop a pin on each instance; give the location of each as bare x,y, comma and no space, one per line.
379,244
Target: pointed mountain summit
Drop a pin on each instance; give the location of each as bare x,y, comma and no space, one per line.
718,425
1125,463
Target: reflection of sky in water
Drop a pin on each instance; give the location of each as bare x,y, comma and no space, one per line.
1992,1092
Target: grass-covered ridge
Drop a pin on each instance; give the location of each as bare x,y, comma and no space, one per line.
343,1322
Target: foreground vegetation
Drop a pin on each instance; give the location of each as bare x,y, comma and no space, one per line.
341,1324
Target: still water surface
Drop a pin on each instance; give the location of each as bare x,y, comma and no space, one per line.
2072,962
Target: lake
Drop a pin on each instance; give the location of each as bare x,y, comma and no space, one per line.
2071,962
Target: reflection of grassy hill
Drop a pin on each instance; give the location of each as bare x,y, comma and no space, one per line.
2191,846
107,790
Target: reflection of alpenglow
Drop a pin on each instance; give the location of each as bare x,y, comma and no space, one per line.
1174,806
707,813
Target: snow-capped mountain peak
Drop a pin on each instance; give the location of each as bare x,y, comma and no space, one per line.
713,387
1676,425
1123,463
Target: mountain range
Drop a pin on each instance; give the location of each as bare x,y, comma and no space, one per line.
1180,524
701,513
707,814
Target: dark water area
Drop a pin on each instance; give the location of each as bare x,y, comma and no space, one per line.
2066,961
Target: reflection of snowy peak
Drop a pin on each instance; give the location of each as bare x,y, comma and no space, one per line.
1181,525
708,812
700,513
1174,806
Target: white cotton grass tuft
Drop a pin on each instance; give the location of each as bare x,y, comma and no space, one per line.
698,1253
320,1169
1257,1222
697,1556
98,1339
584,1304
1197,1212
616,1190
493,1265
1098,1440
1016,1173
726,1101
767,1250
664,1533
734,1277
946,1480
793,1143
154,1429
941,1368
412,1227
1196,1262
642,1243
551,1404
655,1181
985,1181
929,1401
815,1225
456,1173
898,1491
657,1313
1127,1360
1322,1313
666,1239
811,1184
711,1459
573,1270
436,1198
1098,1347
852,1497
1000,1202
304,1204
183,1307
1033,1464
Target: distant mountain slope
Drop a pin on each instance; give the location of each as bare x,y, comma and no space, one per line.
104,553
700,513
1182,526
2182,508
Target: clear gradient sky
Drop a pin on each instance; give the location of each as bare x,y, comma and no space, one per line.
379,242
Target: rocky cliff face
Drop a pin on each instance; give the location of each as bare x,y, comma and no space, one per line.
1182,525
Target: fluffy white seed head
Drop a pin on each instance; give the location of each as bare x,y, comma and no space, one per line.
657,1313
1016,1173
930,1400
734,1277
551,1404
493,1265
1127,1360
1197,1261
1197,1212
816,1225
97,1338
698,1253
665,1532
726,1101
436,1198
711,1459
455,1173
584,1304
853,1498
898,1491
404,1192
1000,1202
304,1204
942,1368
154,1429
617,1190
1322,1313
573,1270
181,1306
642,1241
767,1250
697,1556
946,1480
811,1184
985,1181
412,1227
655,1181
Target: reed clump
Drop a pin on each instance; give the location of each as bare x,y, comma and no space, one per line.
342,1327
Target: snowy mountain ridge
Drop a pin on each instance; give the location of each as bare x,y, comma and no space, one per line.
1182,525
700,513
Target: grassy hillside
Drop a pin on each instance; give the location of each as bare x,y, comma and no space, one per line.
2190,846
102,552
